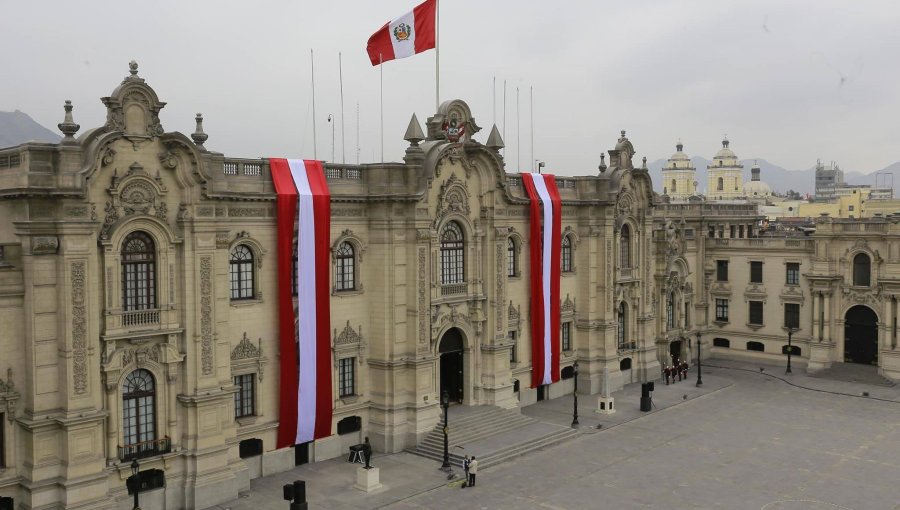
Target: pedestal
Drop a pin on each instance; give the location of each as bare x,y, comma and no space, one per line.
606,405
367,479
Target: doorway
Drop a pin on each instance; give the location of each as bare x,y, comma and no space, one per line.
301,454
861,336
451,351
675,351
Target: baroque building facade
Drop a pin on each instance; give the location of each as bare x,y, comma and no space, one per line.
137,299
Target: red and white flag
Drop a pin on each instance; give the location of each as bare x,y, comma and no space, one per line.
545,248
412,33
304,208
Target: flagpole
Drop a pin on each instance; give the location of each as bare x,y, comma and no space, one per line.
504,116
312,64
531,109
357,133
341,78
437,55
495,100
518,132
381,100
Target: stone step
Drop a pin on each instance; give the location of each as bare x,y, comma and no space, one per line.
504,454
462,433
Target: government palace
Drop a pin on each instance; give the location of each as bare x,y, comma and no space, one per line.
139,315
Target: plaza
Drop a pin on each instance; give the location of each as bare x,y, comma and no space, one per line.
747,439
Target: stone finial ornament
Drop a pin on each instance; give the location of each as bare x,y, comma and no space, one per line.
495,141
644,163
414,133
133,67
602,166
198,136
68,126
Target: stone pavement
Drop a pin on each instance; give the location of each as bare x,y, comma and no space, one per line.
746,439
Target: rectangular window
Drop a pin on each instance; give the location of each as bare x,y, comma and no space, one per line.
850,208
756,313
567,336
756,272
244,398
722,270
712,231
722,310
346,376
514,341
792,315
793,273
731,231
741,231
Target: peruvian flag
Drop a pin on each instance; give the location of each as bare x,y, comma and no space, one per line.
544,250
304,209
405,36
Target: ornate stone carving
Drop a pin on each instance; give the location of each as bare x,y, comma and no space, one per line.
44,245
863,297
137,198
222,240
453,198
112,216
246,350
422,295
168,160
568,306
500,298
347,336
161,211
109,155
79,328
513,313
423,234
206,321
205,211
246,212
348,212
183,212
7,386
77,212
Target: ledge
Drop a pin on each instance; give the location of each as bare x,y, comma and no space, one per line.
240,303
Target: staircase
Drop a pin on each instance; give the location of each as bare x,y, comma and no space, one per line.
492,434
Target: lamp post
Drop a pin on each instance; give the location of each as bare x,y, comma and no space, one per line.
790,333
331,121
135,482
445,403
575,395
699,375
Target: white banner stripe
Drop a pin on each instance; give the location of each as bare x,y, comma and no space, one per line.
306,304
403,47
546,257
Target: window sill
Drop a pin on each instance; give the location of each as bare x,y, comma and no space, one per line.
721,322
567,273
755,327
347,293
243,421
245,302
349,399
517,276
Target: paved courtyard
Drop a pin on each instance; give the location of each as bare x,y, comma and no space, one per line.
746,440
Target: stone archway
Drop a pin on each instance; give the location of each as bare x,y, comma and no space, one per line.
861,336
451,353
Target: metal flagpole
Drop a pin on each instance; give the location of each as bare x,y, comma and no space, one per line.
437,55
357,133
504,115
495,100
518,132
531,108
381,94
312,64
341,78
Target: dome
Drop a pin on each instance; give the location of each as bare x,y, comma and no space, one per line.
679,160
757,189
725,152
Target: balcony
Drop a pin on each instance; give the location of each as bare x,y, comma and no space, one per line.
453,289
140,317
145,449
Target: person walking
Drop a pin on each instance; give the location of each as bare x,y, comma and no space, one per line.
473,470
466,470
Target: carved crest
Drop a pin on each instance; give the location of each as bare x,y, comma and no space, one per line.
347,336
568,305
245,349
513,312
453,198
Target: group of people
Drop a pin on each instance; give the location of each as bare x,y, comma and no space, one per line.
678,369
470,466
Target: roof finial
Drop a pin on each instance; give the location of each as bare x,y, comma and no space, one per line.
679,146
133,67
414,133
602,166
198,136
725,141
68,126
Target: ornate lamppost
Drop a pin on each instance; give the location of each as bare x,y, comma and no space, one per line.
445,403
135,482
790,348
699,375
575,395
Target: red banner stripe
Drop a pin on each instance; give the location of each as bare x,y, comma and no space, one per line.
556,248
379,46
537,307
286,202
424,15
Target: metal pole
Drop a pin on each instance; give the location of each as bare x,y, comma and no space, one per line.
445,401
135,487
790,332
699,375
575,395
312,66
341,78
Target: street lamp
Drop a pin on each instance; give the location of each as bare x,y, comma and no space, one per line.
330,121
135,482
699,376
445,403
575,395
790,333
540,164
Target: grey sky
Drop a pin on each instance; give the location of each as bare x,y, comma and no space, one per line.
787,81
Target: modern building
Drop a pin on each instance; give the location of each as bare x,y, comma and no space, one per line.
138,302
828,179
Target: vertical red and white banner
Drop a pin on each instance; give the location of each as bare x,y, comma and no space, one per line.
304,209
545,247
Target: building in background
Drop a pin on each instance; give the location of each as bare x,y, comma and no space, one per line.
725,175
679,176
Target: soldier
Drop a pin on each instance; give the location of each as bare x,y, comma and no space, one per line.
668,372
684,368
677,369
367,452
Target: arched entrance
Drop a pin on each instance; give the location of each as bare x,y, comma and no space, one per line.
675,351
861,336
451,351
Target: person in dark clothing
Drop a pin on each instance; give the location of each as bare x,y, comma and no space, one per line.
367,452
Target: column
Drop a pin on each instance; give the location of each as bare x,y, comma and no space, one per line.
828,319
815,318
112,429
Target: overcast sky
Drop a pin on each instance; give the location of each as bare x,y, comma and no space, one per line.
786,81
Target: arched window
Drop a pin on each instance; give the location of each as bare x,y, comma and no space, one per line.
721,185
673,186
621,318
625,247
138,272
670,311
862,269
139,412
512,265
452,250
566,258
344,272
241,271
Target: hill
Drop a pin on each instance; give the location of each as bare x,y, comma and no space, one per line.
17,127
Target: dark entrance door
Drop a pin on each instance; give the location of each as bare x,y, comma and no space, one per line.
451,351
301,454
861,336
675,350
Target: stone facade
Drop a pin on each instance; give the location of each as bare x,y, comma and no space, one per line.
83,220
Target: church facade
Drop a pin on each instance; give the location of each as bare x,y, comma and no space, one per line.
138,299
